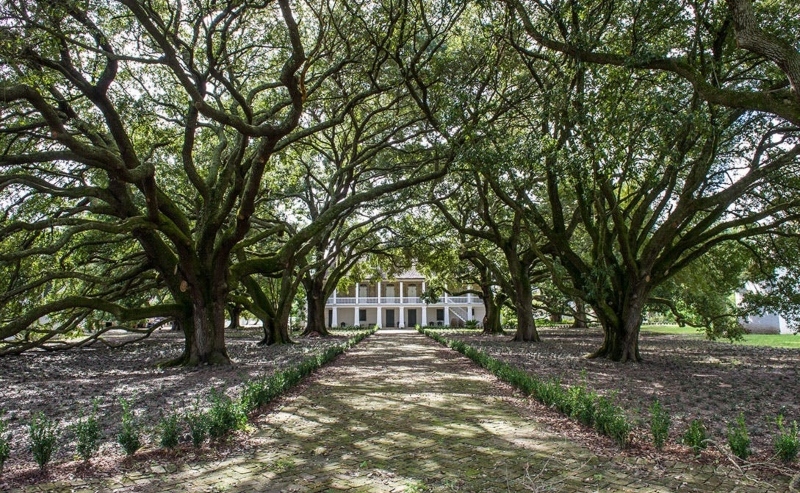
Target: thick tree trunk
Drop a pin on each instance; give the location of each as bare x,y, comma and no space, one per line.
526,325
276,329
580,315
621,333
523,304
491,322
315,299
204,335
235,312
555,318
275,333
620,342
208,342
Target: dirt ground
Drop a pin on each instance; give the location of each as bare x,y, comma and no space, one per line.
691,377
63,385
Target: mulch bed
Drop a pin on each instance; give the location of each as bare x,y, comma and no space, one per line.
64,384
691,377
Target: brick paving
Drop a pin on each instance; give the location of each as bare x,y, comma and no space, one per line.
400,413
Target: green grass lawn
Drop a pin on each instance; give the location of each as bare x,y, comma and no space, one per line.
771,340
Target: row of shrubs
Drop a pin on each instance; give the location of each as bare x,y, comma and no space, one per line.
786,442
586,406
220,417
591,409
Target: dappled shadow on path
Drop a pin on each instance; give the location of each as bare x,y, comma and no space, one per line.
399,412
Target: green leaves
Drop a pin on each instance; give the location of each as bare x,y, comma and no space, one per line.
44,434
576,402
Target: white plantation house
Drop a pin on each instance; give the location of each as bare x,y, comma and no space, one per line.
397,303
767,323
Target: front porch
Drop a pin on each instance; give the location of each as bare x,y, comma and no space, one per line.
401,316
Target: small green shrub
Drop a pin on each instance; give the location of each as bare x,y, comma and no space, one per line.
696,436
550,392
224,415
197,421
44,436
87,431
5,441
169,431
581,404
254,395
129,436
659,424
738,438
787,443
610,420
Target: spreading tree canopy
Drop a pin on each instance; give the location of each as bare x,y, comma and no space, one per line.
172,160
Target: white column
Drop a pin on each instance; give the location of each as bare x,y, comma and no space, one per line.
402,316
445,297
334,297
470,312
356,294
424,318
356,321
401,302
335,317
446,314
379,299
379,321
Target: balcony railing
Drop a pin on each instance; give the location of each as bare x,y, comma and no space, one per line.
395,300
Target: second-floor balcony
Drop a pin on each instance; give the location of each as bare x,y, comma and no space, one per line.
396,300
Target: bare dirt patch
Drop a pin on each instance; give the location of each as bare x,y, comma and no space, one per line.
691,377
63,385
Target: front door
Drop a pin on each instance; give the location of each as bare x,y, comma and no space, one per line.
390,318
412,318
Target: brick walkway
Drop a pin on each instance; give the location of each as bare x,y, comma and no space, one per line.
401,413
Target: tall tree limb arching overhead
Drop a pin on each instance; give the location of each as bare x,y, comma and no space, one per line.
685,40
161,122
643,173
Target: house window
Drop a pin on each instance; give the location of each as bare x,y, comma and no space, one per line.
440,314
362,315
